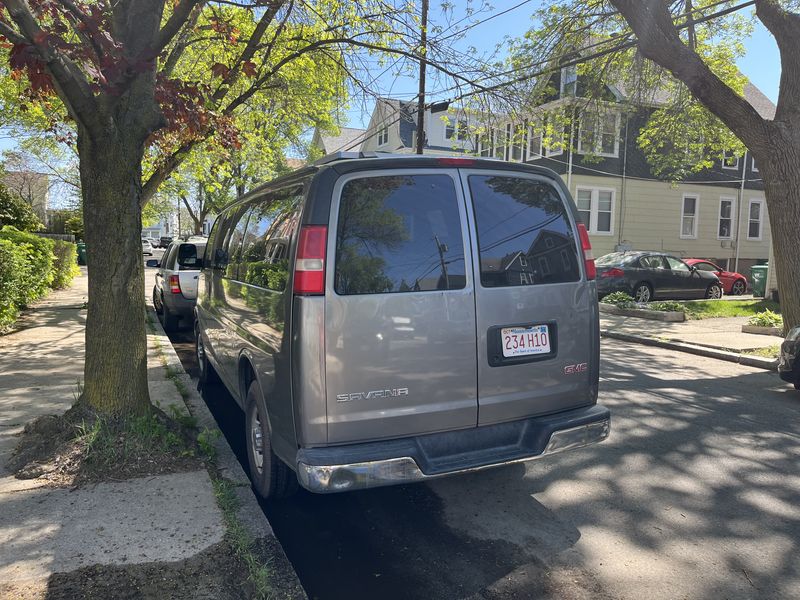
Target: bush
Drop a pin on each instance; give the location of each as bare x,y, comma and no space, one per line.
65,266
620,299
39,260
766,319
13,268
668,306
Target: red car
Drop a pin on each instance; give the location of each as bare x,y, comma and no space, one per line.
732,283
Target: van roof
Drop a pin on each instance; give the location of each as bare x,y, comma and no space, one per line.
326,170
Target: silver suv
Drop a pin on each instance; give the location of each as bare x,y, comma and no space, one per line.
390,319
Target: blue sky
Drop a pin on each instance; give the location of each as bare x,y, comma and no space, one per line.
761,63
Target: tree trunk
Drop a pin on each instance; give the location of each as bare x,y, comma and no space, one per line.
115,371
782,191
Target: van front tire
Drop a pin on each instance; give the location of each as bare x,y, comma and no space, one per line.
206,372
271,477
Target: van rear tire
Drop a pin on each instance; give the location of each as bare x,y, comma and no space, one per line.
271,477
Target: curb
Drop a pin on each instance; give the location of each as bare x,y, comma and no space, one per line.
286,583
769,364
642,313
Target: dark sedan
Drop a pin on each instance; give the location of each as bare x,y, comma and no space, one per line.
652,275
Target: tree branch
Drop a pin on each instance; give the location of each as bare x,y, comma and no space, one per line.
69,80
180,15
785,28
659,41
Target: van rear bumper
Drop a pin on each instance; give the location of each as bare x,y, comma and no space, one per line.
376,464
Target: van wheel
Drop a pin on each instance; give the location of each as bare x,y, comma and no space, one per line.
797,386
271,477
642,292
714,291
168,320
207,373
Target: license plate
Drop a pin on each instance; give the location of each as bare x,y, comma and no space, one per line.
525,341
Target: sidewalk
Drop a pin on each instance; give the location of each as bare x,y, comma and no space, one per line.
720,338
147,537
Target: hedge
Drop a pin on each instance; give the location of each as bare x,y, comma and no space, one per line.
29,267
66,263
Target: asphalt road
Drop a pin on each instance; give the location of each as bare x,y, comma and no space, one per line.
696,494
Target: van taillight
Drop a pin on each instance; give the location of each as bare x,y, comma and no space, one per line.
615,272
309,268
174,284
588,257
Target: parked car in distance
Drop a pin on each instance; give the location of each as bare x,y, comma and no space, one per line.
165,241
789,360
175,289
147,247
732,283
389,319
155,242
654,276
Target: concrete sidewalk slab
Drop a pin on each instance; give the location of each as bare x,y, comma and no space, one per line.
722,333
164,518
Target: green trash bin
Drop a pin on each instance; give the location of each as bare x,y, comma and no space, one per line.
81,253
758,280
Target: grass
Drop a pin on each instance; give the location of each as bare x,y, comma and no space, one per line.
709,309
769,352
240,539
106,444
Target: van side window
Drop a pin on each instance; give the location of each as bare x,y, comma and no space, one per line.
399,233
233,247
265,252
524,234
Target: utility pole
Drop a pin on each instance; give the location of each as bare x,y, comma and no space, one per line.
423,50
442,248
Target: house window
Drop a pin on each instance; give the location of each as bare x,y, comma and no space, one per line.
485,142
725,227
456,130
534,142
517,142
569,81
596,209
755,214
500,143
729,161
755,168
556,146
599,135
689,217
383,136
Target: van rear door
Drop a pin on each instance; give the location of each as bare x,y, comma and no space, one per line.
400,314
536,313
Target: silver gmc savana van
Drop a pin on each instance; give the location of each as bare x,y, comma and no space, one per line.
387,319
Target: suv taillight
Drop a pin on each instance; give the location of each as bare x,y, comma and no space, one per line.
615,272
309,268
588,257
174,284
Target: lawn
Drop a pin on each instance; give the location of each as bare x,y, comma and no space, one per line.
769,352
709,309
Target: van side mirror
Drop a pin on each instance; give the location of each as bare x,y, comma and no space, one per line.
152,262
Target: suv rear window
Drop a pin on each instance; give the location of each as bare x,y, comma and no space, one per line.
399,233
524,234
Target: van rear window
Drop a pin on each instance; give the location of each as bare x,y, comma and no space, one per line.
399,233
524,234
